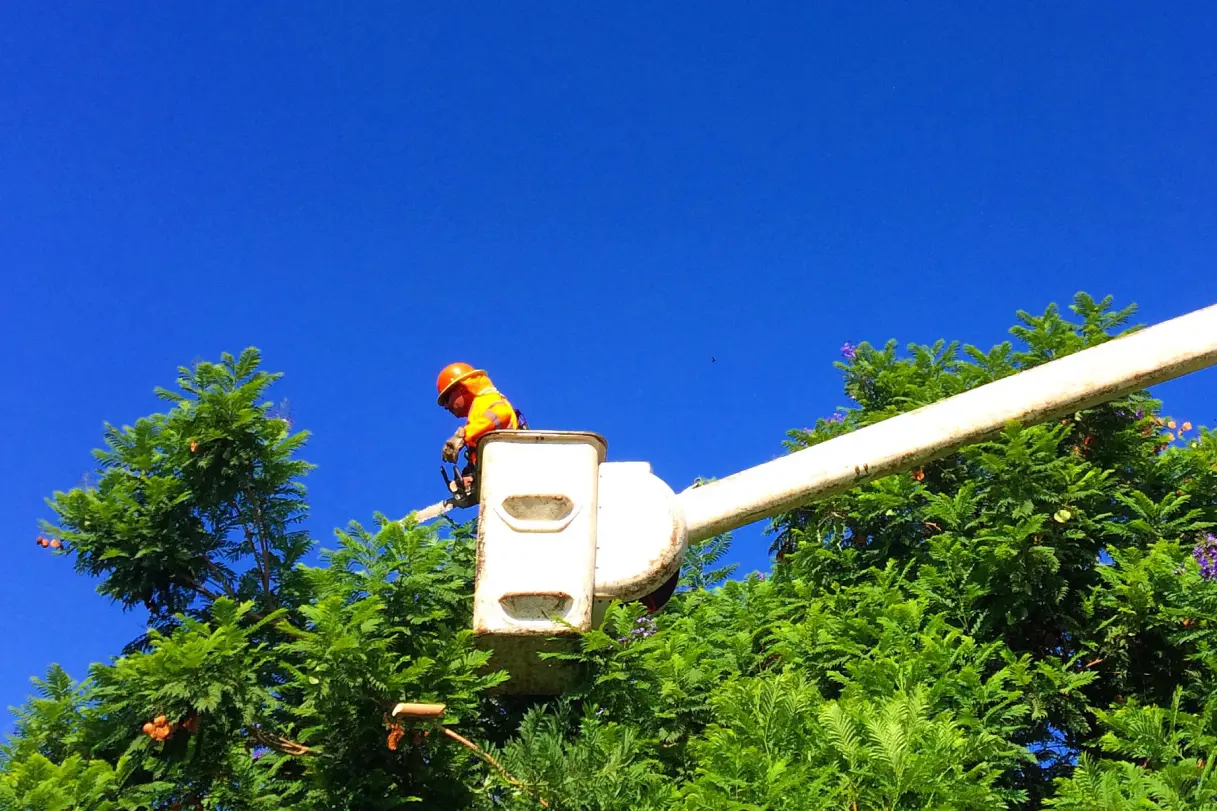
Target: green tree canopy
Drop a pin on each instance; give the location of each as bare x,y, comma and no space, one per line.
1026,623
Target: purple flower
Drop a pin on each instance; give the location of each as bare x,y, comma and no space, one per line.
643,627
1205,554
838,417
282,411
1140,414
848,350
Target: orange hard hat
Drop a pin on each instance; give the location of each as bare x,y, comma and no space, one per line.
452,374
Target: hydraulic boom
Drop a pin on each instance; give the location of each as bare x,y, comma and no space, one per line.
1101,373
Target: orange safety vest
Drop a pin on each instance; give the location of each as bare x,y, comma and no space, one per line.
490,411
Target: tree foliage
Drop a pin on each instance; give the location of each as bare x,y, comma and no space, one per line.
1025,623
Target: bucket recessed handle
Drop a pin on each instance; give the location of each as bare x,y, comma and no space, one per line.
536,606
537,512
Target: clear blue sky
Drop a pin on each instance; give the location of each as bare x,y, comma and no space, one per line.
589,203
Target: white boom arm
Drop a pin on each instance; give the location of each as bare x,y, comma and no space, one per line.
1101,373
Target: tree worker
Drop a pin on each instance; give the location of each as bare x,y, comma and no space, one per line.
467,392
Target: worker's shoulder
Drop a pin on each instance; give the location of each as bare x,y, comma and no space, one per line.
490,395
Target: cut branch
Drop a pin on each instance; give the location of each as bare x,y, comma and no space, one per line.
472,747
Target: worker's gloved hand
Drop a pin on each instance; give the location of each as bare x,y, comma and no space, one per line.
452,447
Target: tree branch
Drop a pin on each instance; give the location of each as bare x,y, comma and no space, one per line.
263,540
203,590
211,595
280,744
219,576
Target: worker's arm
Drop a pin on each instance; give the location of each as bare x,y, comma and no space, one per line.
496,416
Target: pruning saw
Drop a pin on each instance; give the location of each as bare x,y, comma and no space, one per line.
463,495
